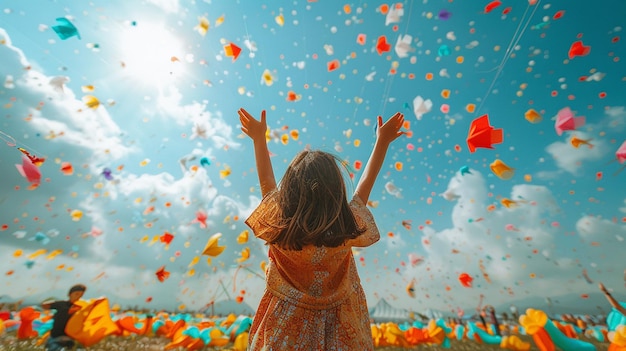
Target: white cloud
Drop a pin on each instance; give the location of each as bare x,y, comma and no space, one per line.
527,261
170,6
203,124
64,122
126,210
548,175
571,159
615,120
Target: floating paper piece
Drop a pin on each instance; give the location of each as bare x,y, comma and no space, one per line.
232,50
421,106
502,170
565,120
483,135
403,45
65,29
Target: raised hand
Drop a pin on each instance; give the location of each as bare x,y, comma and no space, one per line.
390,130
252,127
385,134
256,130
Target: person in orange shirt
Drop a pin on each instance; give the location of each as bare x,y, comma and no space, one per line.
64,310
313,298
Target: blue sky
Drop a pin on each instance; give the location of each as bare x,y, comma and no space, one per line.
168,96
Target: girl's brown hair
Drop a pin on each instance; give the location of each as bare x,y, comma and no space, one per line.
312,206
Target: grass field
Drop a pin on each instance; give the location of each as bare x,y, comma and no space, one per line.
8,342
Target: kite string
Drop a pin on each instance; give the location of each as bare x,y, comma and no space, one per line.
12,142
406,30
356,108
389,82
517,36
253,272
386,92
235,278
500,66
224,289
247,269
8,139
252,57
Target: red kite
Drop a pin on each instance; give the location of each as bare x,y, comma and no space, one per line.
293,96
162,274
481,134
67,168
333,65
37,161
466,280
232,50
492,5
166,238
382,45
578,49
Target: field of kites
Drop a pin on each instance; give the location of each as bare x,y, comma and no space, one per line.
97,326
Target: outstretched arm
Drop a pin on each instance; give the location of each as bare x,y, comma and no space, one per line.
612,300
256,130
385,134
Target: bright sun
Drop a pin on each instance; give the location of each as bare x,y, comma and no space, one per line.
151,54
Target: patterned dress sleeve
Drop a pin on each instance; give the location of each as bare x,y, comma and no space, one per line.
258,219
365,218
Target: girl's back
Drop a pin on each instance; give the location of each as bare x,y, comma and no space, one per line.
314,298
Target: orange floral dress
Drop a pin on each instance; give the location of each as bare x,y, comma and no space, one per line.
313,299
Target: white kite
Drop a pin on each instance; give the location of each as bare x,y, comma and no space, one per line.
403,45
421,106
394,15
393,190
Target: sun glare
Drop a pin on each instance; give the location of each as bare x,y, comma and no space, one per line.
151,54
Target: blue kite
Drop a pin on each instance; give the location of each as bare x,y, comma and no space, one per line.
65,29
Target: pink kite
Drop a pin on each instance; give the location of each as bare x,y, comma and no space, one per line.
201,218
29,171
621,153
565,120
